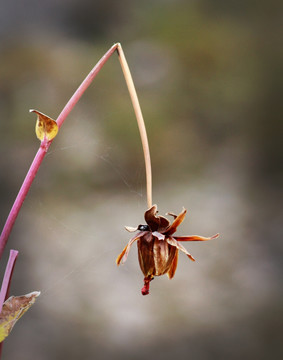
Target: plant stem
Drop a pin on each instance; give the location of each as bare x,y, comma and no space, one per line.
140,121
4,292
84,85
44,148
60,120
5,287
20,198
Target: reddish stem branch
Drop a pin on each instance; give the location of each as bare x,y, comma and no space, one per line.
20,198
44,147
4,292
84,85
60,120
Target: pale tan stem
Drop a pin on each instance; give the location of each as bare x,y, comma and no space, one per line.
140,121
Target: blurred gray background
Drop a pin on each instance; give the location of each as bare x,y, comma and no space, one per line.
208,78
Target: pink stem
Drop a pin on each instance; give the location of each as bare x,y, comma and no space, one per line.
4,292
44,148
20,198
84,85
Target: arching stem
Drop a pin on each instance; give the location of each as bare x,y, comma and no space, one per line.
60,120
140,120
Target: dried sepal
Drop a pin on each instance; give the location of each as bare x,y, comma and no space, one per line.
171,241
151,219
195,238
14,308
45,127
171,214
124,254
173,267
177,221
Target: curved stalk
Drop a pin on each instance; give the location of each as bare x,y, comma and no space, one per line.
44,146
140,121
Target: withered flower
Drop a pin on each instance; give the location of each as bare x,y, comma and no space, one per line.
157,246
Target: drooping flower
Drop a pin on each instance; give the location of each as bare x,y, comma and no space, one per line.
157,246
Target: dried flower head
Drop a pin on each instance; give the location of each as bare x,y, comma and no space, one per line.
157,246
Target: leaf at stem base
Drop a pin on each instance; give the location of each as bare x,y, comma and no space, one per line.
14,308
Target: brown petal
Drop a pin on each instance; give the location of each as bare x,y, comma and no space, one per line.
162,257
164,224
179,246
172,214
145,255
195,238
124,254
151,219
173,267
177,221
